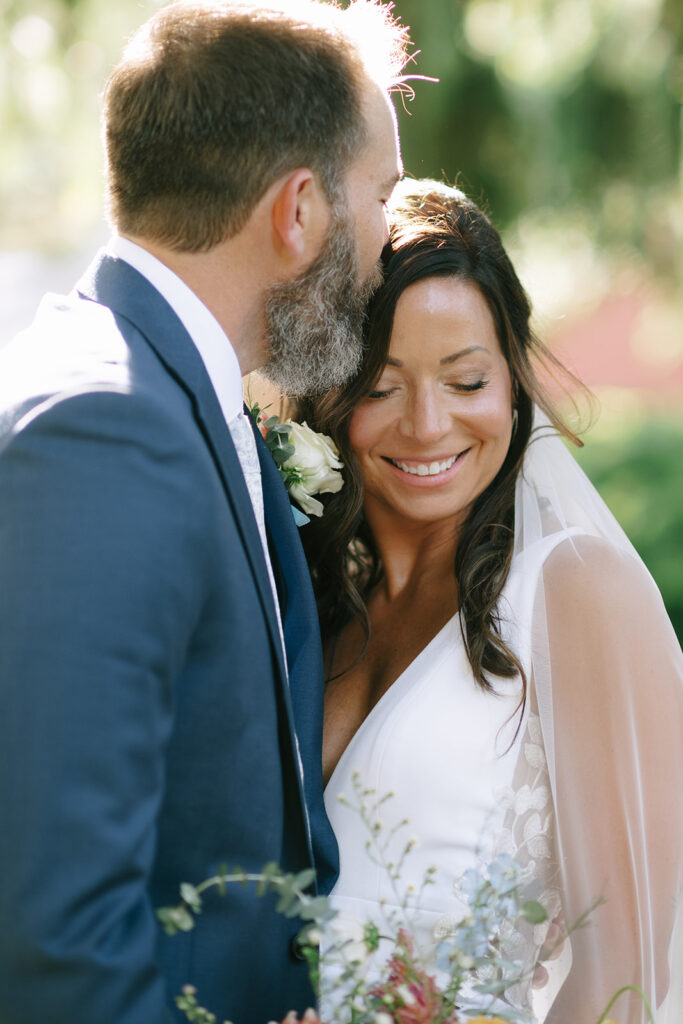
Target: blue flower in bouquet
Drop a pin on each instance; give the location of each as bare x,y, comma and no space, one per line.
504,873
478,965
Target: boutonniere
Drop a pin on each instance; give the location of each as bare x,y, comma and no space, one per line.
308,462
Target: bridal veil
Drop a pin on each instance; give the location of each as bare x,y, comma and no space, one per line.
606,689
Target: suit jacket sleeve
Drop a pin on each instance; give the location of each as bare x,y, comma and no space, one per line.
101,556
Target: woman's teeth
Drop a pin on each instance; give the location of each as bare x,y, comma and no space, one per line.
426,468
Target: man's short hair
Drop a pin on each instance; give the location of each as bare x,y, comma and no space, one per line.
213,101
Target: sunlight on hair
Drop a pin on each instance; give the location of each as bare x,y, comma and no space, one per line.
383,53
140,46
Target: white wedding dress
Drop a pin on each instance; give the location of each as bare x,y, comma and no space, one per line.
449,753
471,784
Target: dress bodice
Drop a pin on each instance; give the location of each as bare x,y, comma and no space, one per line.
449,752
443,747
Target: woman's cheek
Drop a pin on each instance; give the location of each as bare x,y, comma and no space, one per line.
362,429
493,415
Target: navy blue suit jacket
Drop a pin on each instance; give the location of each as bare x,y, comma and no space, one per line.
147,730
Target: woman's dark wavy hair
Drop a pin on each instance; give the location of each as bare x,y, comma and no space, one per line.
436,232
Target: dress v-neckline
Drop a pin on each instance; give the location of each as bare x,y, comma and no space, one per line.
394,690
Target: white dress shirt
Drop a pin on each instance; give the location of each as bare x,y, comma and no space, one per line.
221,364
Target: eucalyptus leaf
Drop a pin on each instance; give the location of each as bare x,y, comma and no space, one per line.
313,910
241,875
286,901
175,919
269,873
534,912
305,878
190,896
166,918
492,988
282,454
294,911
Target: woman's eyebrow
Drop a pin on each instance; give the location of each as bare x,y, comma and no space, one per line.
463,352
447,360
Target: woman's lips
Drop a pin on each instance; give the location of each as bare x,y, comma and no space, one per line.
424,474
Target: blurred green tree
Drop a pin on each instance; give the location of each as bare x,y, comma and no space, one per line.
563,114
542,104
638,473
551,104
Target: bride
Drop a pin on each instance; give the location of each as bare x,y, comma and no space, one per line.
497,654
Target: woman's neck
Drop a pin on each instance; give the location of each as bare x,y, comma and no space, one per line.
414,555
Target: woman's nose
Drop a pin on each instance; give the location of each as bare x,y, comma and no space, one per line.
425,418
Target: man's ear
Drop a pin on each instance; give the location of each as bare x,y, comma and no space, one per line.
300,216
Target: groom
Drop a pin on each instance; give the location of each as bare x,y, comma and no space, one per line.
160,670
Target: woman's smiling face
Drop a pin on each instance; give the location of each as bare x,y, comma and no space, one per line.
436,428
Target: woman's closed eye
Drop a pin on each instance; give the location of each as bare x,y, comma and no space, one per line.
476,385
460,386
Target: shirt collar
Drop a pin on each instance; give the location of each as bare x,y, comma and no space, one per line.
211,341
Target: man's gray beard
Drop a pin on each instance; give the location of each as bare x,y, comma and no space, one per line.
314,324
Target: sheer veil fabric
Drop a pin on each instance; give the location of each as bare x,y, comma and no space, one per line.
587,795
606,709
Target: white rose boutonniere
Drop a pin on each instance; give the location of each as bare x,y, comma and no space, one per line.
308,462
314,467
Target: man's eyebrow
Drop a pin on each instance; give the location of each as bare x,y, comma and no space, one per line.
391,183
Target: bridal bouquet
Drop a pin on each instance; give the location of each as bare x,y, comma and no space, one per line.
374,972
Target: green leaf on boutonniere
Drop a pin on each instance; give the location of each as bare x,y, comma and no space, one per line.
281,429
282,454
255,411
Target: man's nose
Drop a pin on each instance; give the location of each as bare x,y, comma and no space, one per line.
385,233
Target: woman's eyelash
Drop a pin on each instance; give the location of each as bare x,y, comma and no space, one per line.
477,386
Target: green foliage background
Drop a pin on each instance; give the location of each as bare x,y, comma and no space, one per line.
558,113
562,116
638,473
556,105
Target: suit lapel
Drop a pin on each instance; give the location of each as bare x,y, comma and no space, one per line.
304,656
297,604
115,284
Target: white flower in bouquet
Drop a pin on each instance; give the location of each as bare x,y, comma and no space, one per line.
368,983
347,933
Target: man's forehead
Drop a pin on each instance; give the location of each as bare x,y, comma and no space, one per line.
382,126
